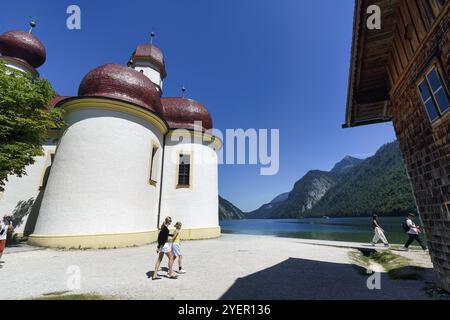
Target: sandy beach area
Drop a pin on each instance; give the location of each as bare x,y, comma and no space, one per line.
230,267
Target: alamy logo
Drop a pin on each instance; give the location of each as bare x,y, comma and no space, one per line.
73,22
374,17
374,281
242,147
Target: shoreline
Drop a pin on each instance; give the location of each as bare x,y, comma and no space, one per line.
346,229
25,247
320,217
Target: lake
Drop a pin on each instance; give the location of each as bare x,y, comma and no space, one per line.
337,229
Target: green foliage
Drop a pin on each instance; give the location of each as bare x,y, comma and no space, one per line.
353,188
24,120
397,266
67,296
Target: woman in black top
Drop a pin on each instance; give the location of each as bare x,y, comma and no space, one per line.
164,249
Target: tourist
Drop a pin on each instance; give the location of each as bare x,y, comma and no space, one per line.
6,227
164,249
379,232
176,247
413,232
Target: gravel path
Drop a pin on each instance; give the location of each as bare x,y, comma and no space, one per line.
231,267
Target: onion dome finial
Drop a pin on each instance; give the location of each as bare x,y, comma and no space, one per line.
32,24
152,36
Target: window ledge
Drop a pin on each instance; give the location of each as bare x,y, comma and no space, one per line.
183,186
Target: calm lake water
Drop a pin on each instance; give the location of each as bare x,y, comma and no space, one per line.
338,229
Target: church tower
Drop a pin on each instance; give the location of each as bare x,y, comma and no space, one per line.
22,51
149,60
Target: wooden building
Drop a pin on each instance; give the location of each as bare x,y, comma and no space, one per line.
400,73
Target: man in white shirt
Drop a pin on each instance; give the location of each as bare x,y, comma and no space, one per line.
6,227
413,233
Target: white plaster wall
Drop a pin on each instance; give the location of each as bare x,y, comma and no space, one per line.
195,207
22,195
100,177
150,71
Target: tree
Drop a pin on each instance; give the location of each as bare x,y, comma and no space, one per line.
24,120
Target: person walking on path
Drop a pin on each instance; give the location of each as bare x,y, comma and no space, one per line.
379,232
6,227
176,247
413,232
164,248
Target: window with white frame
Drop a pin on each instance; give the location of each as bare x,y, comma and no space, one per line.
434,94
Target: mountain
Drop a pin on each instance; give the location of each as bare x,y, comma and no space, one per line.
305,194
346,164
377,184
353,187
228,211
280,198
265,211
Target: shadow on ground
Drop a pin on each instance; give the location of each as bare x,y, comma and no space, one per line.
306,279
149,274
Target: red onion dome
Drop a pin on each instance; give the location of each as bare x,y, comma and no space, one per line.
121,83
154,55
180,113
23,46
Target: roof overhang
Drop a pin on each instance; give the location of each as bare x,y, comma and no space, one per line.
368,87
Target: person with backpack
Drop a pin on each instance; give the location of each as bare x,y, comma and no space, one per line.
379,232
413,232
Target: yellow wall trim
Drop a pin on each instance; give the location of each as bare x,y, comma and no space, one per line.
94,241
200,233
109,104
46,170
115,240
204,137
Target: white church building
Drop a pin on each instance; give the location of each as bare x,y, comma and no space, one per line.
127,158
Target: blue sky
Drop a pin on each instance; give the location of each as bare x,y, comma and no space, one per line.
280,64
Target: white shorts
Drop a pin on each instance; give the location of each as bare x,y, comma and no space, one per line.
176,249
165,248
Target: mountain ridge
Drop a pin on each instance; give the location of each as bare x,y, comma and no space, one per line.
353,187
228,211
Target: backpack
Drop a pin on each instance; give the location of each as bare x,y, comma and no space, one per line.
405,226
